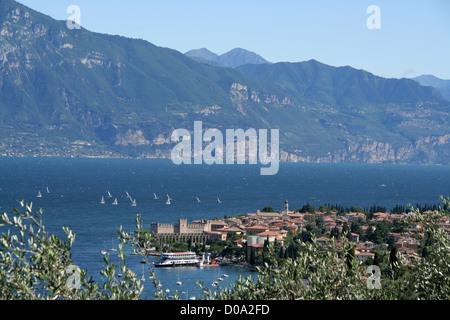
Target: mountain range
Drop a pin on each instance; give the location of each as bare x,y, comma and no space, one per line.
73,92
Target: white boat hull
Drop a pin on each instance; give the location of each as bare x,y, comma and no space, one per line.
178,259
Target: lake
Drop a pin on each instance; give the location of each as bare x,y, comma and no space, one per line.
77,185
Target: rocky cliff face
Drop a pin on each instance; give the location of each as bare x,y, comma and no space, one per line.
426,150
132,137
240,95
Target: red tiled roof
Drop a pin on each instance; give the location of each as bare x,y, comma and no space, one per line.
256,245
257,227
269,233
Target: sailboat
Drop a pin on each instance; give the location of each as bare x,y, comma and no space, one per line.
133,203
109,195
218,200
48,191
103,251
103,200
168,200
155,196
198,200
115,202
39,195
128,195
112,246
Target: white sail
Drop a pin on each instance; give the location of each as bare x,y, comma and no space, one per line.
133,203
198,200
218,200
39,195
115,201
109,195
48,191
103,200
155,196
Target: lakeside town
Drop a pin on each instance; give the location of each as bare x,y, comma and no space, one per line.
241,240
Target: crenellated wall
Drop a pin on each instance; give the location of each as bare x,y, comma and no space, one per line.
182,227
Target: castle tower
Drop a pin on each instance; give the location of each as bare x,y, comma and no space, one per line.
182,224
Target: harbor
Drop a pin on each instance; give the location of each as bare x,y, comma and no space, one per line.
185,280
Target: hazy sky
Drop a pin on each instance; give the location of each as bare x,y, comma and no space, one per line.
413,38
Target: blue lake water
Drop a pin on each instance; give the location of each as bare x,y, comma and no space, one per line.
77,185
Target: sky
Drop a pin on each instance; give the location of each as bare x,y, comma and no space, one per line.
399,39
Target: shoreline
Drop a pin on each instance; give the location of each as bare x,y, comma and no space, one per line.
238,265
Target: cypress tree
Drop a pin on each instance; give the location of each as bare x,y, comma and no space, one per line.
376,259
393,255
252,257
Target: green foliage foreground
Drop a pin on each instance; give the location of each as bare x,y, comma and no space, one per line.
37,265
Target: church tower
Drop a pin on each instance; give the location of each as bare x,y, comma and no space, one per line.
286,209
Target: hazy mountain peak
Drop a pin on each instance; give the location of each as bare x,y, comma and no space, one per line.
238,57
233,58
431,80
441,85
202,53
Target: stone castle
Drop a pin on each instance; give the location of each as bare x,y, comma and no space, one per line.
183,231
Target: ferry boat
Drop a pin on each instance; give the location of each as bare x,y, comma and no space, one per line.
174,259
